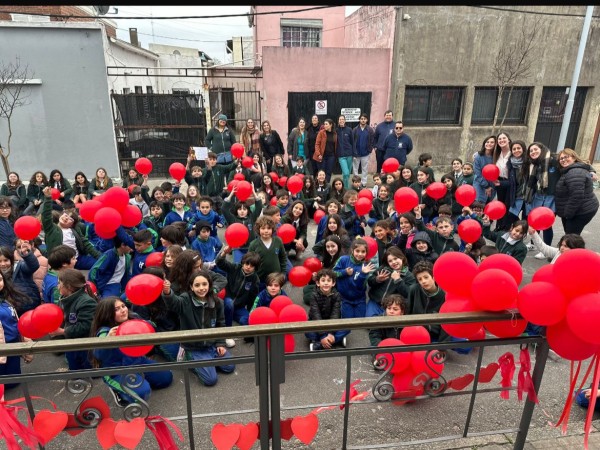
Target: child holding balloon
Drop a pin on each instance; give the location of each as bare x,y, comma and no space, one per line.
240,212
270,249
22,272
509,242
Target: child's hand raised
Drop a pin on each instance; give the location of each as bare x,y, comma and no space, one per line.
349,271
166,287
485,220
226,250
531,231
417,211
382,275
366,268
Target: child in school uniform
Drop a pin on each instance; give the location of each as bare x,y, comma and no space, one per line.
270,249
273,284
509,242
393,305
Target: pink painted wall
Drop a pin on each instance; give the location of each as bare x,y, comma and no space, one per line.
370,27
329,69
267,31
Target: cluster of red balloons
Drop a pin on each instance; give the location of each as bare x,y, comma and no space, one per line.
491,286
38,322
109,211
281,310
410,370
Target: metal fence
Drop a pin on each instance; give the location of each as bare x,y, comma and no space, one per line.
270,362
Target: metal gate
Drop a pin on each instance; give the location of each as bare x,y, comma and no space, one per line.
238,105
552,111
160,127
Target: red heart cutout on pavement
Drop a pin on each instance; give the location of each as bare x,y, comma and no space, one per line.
129,434
72,423
105,432
286,429
48,424
458,384
487,373
224,437
305,427
98,404
248,436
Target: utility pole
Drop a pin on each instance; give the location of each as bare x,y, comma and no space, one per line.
569,107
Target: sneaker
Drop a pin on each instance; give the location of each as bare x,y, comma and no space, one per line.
530,246
315,346
540,255
229,343
344,342
311,347
120,401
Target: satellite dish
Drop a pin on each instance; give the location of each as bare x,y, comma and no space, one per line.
101,10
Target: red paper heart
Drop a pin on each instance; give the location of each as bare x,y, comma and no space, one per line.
224,437
248,436
129,434
105,432
98,404
286,429
48,424
72,423
458,384
305,427
487,373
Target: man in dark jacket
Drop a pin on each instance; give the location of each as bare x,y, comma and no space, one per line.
382,131
364,142
397,145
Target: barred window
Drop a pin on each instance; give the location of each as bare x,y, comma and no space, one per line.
301,32
484,105
432,105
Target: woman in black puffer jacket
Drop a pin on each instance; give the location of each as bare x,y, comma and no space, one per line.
576,203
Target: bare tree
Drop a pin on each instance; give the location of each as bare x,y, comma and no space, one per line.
13,78
513,65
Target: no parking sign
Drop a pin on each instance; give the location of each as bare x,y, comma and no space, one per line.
321,107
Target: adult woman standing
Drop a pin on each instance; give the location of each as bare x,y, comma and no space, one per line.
219,140
576,203
311,139
297,143
502,154
325,149
515,184
249,138
484,188
270,143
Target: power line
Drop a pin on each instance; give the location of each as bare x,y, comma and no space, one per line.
539,13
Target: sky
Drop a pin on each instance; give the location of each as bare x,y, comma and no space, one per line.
208,35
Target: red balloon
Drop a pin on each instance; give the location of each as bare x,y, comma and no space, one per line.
401,359
390,165
287,233
583,313
454,273
274,177
415,335
237,150
154,259
233,183
244,190
47,317
576,272
406,385
132,327
262,316
421,362
273,201
372,247
490,172
27,228
143,166
294,184
107,219
494,290
566,344
495,210
478,336
503,262
55,194
89,209
365,193
299,276
27,327
238,177
247,162
222,294
405,200
130,189
236,235
541,218
105,234
282,181
289,343
506,328
544,273
131,216
293,313
363,206
542,303
280,302
92,287
470,230
143,289
465,194
436,190
116,197
177,171
319,214
460,330
313,264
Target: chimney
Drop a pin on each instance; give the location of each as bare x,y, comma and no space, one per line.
133,37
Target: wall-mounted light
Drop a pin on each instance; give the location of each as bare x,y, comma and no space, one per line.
406,17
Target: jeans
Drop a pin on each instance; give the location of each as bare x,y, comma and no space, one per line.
326,165
168,351
224,158
585,402
363,162
577,224
346,166
111,290
78,360
240,315
208,375
151,380
353,310
11,367
314,336
380,156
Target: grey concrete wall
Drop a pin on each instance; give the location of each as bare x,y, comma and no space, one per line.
68,123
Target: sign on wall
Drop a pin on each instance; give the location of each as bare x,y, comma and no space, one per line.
351,114
321,107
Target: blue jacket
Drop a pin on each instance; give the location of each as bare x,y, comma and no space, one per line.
104,268
321,227
7,234
345,142
99,243
382,131
8,318
264,299
397,147
212,217
173,216
364,141
352,288
208,249
50,292
139,259
23,280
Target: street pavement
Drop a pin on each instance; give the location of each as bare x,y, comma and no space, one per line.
372,424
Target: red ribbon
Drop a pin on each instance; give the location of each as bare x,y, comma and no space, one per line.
10,425
352,393
593,396
158,426
525,383
564,417
507,370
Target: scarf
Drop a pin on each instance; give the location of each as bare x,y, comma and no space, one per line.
250,140
516,163
540,170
